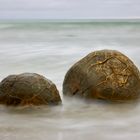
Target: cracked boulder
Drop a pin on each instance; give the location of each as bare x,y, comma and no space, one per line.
28,89
104,74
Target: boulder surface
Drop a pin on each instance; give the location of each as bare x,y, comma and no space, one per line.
104,74
28,89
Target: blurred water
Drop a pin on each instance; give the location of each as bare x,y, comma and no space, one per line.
51,49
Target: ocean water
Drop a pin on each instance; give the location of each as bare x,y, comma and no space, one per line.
50,49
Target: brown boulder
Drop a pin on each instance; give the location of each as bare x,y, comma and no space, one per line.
28,89
105,74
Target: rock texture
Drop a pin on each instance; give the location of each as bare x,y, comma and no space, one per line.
28,89
105,74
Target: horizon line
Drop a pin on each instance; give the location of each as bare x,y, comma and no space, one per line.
74,20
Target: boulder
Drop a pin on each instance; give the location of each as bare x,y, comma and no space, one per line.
28,89
104,74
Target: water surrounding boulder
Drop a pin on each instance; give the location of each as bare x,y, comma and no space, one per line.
104,74
28,89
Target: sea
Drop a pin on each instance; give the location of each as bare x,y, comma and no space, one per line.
50,48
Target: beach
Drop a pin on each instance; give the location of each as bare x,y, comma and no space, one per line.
50,49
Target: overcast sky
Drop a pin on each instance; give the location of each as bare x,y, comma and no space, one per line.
69,9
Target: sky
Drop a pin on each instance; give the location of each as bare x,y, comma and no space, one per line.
69,9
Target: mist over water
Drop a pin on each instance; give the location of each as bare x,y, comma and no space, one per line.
51,49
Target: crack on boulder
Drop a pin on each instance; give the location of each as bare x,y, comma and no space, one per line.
99,63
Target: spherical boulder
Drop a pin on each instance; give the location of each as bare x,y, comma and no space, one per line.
28,89
104,74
